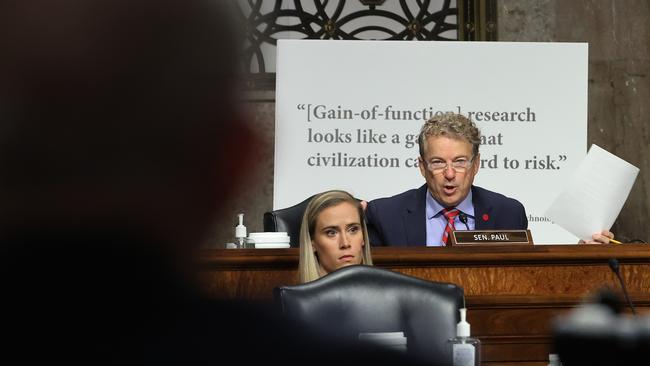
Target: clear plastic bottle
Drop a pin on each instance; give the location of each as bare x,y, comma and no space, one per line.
240,233
465,350
554,360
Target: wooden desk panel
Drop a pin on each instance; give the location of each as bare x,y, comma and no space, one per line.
513,292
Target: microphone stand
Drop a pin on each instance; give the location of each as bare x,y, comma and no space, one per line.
463,218
614,266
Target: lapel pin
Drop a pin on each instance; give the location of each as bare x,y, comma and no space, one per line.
486,217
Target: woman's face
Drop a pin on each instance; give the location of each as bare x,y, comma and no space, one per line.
338,237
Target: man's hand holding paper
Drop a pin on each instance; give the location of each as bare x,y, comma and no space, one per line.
591,200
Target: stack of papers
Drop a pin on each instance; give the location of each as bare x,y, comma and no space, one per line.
268,240
392,340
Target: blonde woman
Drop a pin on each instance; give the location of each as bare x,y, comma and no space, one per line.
333,234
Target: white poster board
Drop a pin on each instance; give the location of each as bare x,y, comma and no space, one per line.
347,113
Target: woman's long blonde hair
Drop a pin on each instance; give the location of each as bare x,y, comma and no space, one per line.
308,265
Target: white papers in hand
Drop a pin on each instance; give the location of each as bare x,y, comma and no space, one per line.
594,195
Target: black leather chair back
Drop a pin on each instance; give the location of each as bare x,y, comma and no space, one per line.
361,299
287,219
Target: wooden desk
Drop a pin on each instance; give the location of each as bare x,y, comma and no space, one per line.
512,292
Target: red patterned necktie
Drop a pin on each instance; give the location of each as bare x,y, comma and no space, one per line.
450,214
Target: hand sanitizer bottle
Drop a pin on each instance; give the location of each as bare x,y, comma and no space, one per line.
240,233
465,350
554,360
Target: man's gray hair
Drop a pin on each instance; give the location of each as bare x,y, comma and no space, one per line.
453,125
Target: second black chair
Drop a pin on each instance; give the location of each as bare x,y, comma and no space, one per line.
287,219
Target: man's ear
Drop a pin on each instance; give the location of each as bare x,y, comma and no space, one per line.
476,163
423,167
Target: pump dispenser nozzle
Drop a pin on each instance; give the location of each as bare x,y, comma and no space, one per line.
240,232
462,328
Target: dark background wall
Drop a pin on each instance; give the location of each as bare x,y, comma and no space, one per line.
619,98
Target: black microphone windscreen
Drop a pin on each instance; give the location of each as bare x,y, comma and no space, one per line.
613,264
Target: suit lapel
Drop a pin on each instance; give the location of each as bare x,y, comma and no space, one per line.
483,219
414,219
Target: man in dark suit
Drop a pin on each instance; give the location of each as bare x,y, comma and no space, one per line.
397,220
449,160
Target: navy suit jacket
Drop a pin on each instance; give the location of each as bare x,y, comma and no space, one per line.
401,220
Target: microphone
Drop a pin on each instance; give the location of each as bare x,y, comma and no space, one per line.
463,218
613,265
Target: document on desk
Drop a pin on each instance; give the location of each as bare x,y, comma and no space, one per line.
594,195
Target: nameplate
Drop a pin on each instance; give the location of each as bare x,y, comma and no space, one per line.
483,237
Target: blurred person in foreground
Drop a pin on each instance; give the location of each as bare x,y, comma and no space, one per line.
333,235
449,160
601,331
118,126
119,141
